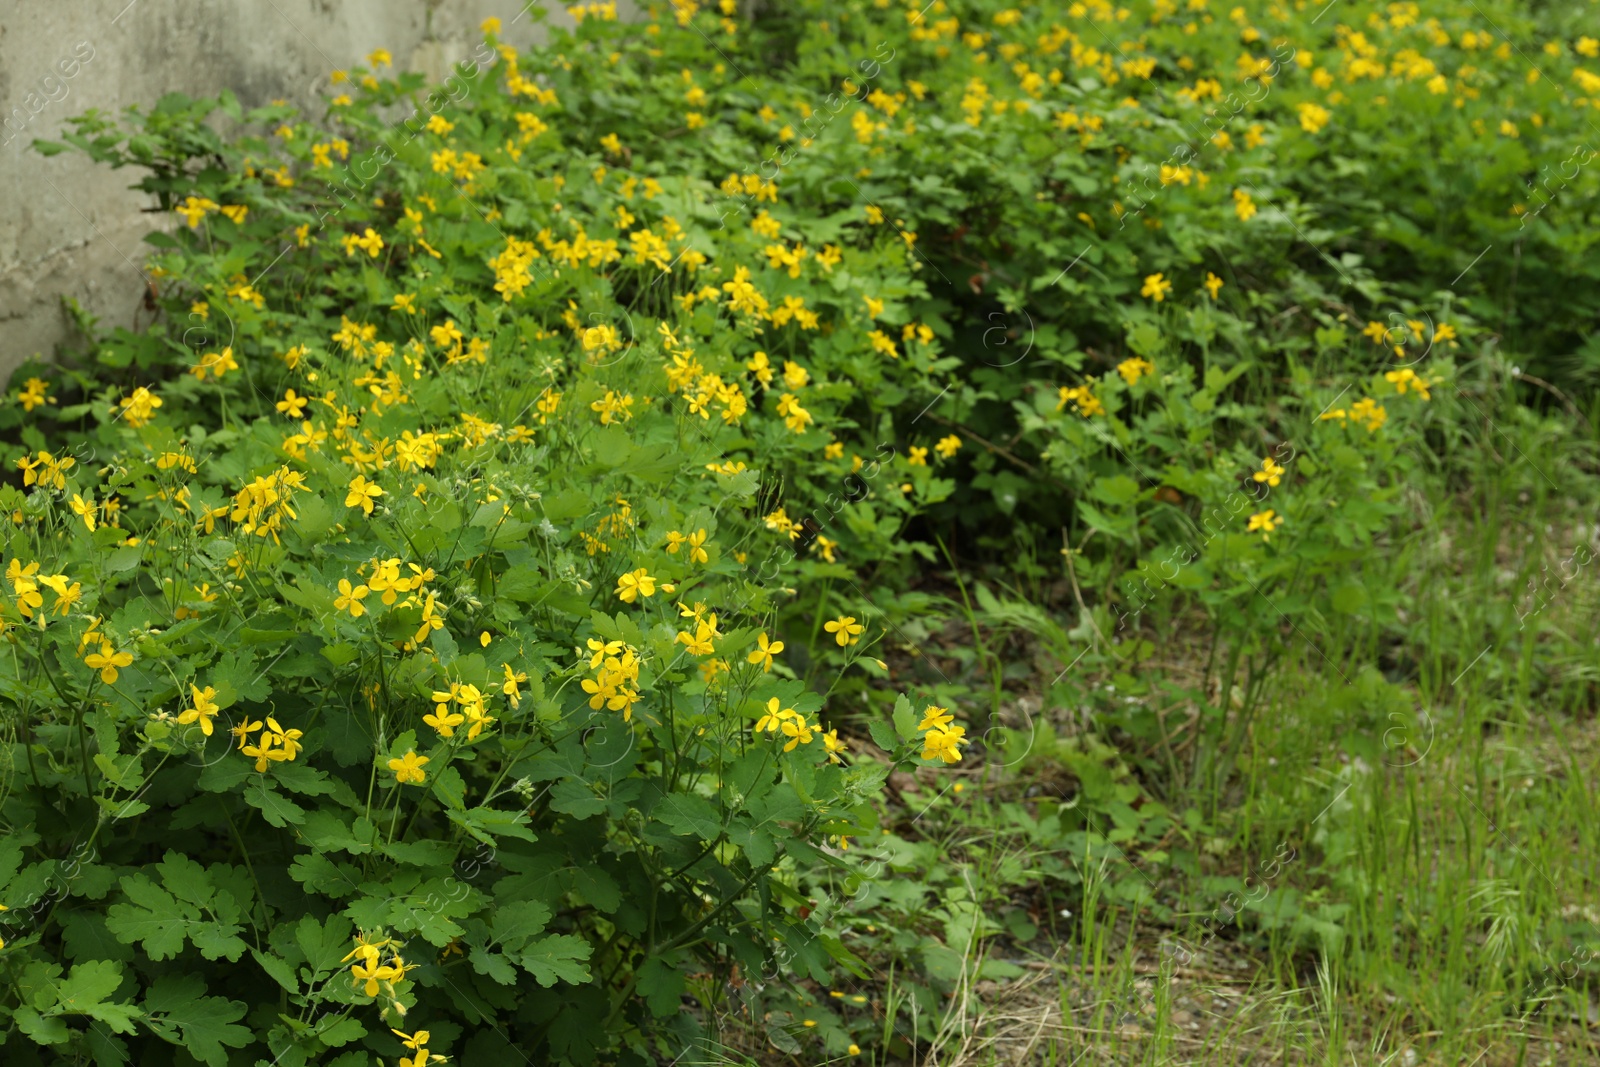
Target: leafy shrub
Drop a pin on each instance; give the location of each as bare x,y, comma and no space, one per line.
393,629
462,393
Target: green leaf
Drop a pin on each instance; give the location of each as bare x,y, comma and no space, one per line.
612,446
325,831
223,775
662,985
482,823
1145,339
687,813
153,919
84,992
160,918
1117,489
329,878
276,808
432,908
207,1023
884,735
515,923
450,789
493,965
342,1032
575,797
324,943
556,959
10,858
420,853
43,1031
280,970
594,886
302,778
905,720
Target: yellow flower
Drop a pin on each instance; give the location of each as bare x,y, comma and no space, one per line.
1270,473
1212,284
107,660
444,719
292,405
216,363
602,649
774,717
1082,398
287,740
430,621
1156,287
845,630
84,509
634,584
700,642
1243,206
764,652
243,731
1406,378
1266,522
66,595
368,975
362,493
1370,412
33,394
370,243
1312,116
944,744
935,718
204,710
408,768
262,752
831,742
697,554
798,731
946,446
512,682
1134,368
416,1041
194,209
350,599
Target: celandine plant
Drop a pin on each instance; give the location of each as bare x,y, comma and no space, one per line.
408,617
391,659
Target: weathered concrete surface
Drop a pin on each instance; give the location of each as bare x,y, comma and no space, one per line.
74,228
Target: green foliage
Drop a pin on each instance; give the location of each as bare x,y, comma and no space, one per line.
456,610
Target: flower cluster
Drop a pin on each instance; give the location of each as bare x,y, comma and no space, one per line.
275,745
372,975
941,738
459,704
616,669
789,723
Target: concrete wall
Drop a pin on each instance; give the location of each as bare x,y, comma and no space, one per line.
74,228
